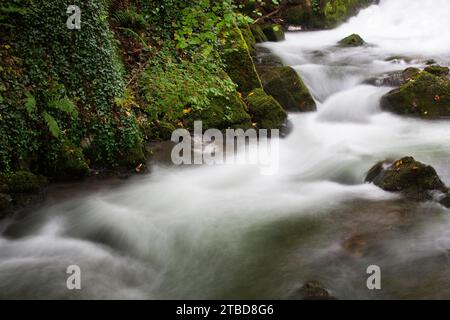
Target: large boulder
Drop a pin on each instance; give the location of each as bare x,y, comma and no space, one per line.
239,64
353,40
265,110
286,86
413,179
425,95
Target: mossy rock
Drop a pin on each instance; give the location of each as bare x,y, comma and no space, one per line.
437,70
273,32
408,176
258,33
410,73
239,64
353,40
223,112
265,110
425,95
25,182
71,164
286,86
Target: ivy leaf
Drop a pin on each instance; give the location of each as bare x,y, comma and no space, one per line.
51,124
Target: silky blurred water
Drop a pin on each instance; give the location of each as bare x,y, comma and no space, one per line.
229,232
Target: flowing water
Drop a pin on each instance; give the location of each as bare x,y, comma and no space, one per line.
230,232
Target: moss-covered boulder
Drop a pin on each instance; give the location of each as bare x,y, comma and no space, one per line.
25,182
286,86
425,95
258,33
437,70
266,112
352,40
71,163
239,63
408,176
224,112
273,32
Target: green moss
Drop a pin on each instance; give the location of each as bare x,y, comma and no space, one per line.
265,110
410,73
425,96
249,38
239,64
177,93
25,182
258,33
286,86
353,40
437,70
273,32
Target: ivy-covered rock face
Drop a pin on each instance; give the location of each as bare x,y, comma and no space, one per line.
265,110
60,86
286,86
424,95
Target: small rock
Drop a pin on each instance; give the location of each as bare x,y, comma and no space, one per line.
446,201
312,290
353,40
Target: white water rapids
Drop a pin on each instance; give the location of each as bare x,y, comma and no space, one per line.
230,232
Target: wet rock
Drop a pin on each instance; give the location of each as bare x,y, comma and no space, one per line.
425,96
437,70
312,290
25,182
413,179
266,112
273,32
353,40
286,86
394,78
